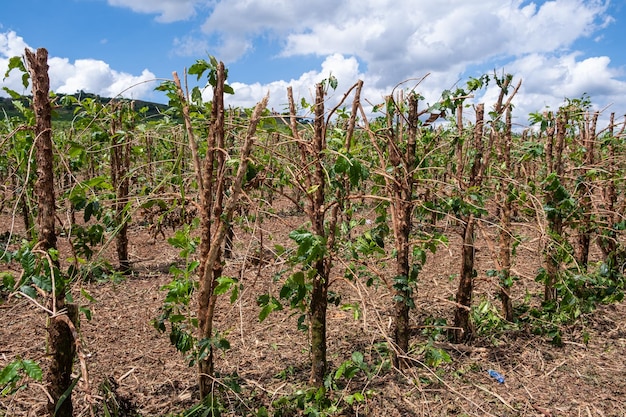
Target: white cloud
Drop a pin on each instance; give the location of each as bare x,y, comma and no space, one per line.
547,80
346,70
382,42
168,10
395,38
565,76
97,77
11,45
400,40
89,75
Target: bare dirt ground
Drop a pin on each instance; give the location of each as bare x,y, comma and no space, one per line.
270,358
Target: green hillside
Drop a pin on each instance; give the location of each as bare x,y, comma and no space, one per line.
66,113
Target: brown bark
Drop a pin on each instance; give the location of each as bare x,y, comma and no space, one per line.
464,329
401,188
555,221
216,212
26,216
60,340
210,264
585,191
608,239
319,294
505,224
62,350
38,67
120,167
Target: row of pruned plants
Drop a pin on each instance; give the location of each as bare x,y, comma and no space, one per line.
200,167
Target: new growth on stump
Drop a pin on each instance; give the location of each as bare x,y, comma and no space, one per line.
216,205
326,201
397,158
120,170
373,201
61,330
474,153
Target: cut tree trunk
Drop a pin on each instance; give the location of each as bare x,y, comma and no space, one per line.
506,231
216,211
61,348
319,294
464,329
555,219
120,166
317,310
585,191
402,203
44,186
607,240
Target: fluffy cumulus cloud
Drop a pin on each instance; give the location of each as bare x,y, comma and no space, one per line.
67,77
167,10
345,70
11,45
396,41
97,76
404,35
382,42
549,79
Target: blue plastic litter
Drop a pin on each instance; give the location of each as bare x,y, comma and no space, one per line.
496,375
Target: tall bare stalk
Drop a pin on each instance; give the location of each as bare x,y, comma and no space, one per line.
216,209
61,347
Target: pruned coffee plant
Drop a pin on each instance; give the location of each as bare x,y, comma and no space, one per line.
368,198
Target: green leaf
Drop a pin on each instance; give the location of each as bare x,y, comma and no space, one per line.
182,340
342,164
267,304
200,67
357,396
8,280
29,263
86,311
32,369
105,409
222,343
340,371
177,318
234,294
29,291
265,311
100,182
87,296
66,394
224,284
332,82
357,357
10,372
312,189
45,283
91,208
196,96
16,62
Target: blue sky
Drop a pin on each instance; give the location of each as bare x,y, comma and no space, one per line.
560,48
